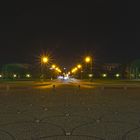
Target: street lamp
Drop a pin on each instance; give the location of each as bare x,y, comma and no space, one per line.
58,70
79,66
14,75
53,66
28,75
88,60
44,59
104,75
74,70
117,75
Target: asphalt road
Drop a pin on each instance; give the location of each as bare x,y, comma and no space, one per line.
70,110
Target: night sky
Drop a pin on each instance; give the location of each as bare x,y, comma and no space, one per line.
68,31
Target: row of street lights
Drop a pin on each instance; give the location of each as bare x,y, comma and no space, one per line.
44,61
56,68
17,75
87,60
75,69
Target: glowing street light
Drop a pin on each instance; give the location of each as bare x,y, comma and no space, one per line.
53,66
90,75
14,75
104,75
117,75
28,75
88,59
79,66
44,59
74,70
58,70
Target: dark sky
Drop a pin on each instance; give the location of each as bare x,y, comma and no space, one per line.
108,30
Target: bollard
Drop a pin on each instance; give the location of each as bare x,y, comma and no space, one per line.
79,87
7,87
53,87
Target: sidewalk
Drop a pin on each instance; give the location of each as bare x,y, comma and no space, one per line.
70,114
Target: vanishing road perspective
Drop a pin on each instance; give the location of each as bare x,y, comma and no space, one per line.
70,70
70,110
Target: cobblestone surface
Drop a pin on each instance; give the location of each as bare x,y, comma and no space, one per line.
69,113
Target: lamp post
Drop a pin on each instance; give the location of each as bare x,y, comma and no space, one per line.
79,66
52,71
44,61
89,60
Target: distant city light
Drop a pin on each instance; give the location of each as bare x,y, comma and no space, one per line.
28,75
104,75
117,75
66,77
90,75
60,77
14,75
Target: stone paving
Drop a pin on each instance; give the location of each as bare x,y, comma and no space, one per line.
70,113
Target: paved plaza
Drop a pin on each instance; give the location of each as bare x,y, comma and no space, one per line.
71,110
